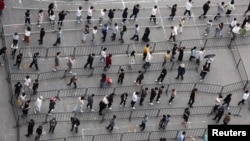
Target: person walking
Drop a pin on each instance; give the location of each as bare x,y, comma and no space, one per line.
89,14
144,93
153,14
132,59
205,7
173,34
15,37
227,118
143,122
135,12
94,32
191,100
248,9
52,17
115,31
27,82
124,15
79,105
164,121
139,78
57,61
73,80
75,122
145,36
19,59
42,34
219,114
61,17
218,30
112,123
85,33
110,98
188,6
35,87
108,62
166,58
70,63
122,31
217,104
3,53
160,91
17,89
111,15
27,18
173,12
52,103
35,60
174,51
181,71
22,99
31,125
181,54
208,28
148,60
185,116
204,72
14,48
38,104
200,56
146,50
50,8
244,97
227,100
124,98
104,32
230,7
161,76
153,93
39,132
102,15
103,80
134,99
79,15
103,55
232,25
26,108
27,33
52,125
181,25
235,31
181,136
58,36
121,75
90,102
103,104
136,34
172,97
220,10
40,18
193,53
90,61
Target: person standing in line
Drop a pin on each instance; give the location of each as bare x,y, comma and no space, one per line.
173,34
42,34
200,56
89,14
75,122
52,103
162,76
134,99
14,48
122,31
148,60
57,61
185,116
108,62
174,51
144,93
27,17
17,89
102,15
115,31
79,105
111,15
40,18
145,51
181,54
227,100
173,12
52,125
153,93
227,118
193,53
15,38
205,7
132,59
35,60
35,87
73,80
181,71
244,97
181,136
94,32
181,25
124,98
79,15
204,72
38,104
188,6
191,100
218,30
139,78
27,33
90,102
26,108
136,34
124,15
230,7
39,132
219,114
112,123
135,12
90,61
70,63
235,31
103,80
220,10
143,122
232,25
158,98
103,55
121,75
208,28
248,9
164,121
61,17
110,98
31,125
85,33
146,34
173,95
58,36
104,32
166,58
27,82
103,104
153,14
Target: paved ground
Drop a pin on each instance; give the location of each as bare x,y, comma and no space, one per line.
223,70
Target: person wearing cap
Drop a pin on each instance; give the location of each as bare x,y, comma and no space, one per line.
73,79
143,122
181,71
38,104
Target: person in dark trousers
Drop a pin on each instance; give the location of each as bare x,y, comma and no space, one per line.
50,8
103,104
162,76
61,16
173,53
26,108
145,36
110,98
108,62
122,31
227,100
103,80
124,15
219,114
144,93
153,93
160,91
27,17
193,53
143,122
185,117
153,14
192,97
244,97
173,94
173,12
124,98
204,72
17,89
181,71
181,54
19,59
227,118
39,132
104,32
90,61
35,60
136,34
75,122
3,51
163,122
42,34
35,87
230,8
248,9
188,6
31,125
135,12
111,15
139,78
73,80
58,37
205,7
111,123
15,38
52,125
90,102
220,10
52,103
121,76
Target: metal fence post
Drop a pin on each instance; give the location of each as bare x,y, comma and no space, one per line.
180,43
154,47
205,43
237,65
238,114
158,112
47,52
149,135
92,72
172,66
74,51
103,118
65,138
221,91
230,44
58,95
127,51
46,118
245,86
130,116
167,89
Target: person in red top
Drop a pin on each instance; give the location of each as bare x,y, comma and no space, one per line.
108,62
2,5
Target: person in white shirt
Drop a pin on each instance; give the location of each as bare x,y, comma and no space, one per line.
236,30
134,99
27,33
147,61
103,55
136,34
102,15
94,32
40,18
14,47
244,97
89,14
188,6
200,56
27,82
79,105
232,25
173,34
115,31
52,18
38,104
153,14
15,38
79,15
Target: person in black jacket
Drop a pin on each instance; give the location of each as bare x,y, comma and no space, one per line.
39,132
90,61
144,93
111,15
139,78
181,71
90,102
75,122
103,80
206,7
145,36
35,60
35,86
124,97
18,86
162,76
173,12
124,15
31,125
121,76
110,100
42,34
153,93
135,12
50,8
227,100
61,16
